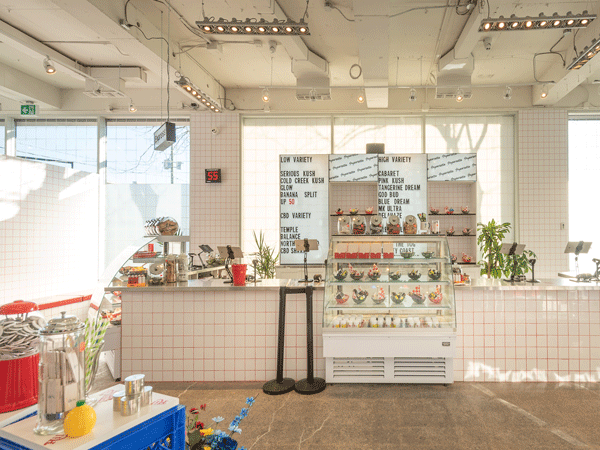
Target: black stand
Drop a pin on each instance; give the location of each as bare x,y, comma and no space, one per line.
280,385
513,250
310,384
533,280
230,256
306,280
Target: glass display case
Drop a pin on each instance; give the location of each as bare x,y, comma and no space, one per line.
392,298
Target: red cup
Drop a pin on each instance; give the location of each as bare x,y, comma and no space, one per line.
20,383
150,247
239,274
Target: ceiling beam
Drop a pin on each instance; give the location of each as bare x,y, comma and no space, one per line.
372,32
21,87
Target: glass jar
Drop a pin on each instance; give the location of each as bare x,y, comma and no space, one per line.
343,225
61,372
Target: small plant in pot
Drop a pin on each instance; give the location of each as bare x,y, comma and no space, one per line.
522,267
266,258
489,239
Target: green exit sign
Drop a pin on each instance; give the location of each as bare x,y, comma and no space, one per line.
28,110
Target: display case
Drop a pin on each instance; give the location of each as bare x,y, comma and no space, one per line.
389,311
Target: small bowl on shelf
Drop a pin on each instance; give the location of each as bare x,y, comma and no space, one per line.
369,210
378,296
464,209
341,298
467,231
395,276
353,211
341,274
434,274
450,231
414,275
428,255
374,273
359,296
417,298
356,275
398,297
339,212
435,297
407,254
434,211
453,258
466,258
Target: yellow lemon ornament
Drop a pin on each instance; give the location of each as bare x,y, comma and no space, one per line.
80,420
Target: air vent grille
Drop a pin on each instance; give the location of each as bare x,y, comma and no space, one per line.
420,367
359,367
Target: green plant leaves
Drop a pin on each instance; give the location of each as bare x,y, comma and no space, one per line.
266,257
489,239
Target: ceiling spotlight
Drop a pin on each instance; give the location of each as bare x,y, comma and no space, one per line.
265,95
253,26
585,55
544,93
459,95
187,87
514,23
413,95
132,108
508,93
360,98
49,67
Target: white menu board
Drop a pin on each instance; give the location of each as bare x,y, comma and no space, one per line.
452,167
402,186
352,167
304,206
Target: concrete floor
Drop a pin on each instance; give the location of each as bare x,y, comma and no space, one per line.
461,416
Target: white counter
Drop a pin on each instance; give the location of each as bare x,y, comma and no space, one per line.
205,330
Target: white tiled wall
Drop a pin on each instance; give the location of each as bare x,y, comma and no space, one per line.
215,208
543,187
216,335
516,335
528,335
48,230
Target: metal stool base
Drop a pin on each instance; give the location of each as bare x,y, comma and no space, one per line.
304,387
274,388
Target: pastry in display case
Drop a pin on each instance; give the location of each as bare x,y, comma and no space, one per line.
394,309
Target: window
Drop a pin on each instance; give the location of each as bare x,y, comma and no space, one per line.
584,172
264,139
262,142
62,142
143,183
132,158
2,138
492,138
399,134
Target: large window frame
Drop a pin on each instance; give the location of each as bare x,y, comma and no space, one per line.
504,205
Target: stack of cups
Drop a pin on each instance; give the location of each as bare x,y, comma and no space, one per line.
134,397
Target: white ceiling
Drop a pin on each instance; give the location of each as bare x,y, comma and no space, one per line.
87,33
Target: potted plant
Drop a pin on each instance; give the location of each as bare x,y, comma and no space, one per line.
489,239
522,266
266,259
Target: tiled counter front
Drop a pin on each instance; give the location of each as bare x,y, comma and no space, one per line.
528,334
216,335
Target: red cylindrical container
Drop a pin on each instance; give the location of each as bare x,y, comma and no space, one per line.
239,274
20,383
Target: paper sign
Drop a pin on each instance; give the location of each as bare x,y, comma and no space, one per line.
352,167
452,167
304,206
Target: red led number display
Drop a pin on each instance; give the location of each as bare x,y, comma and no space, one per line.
213,176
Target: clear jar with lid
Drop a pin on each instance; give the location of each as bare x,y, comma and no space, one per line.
61,372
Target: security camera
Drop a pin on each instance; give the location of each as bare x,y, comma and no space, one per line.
487,43
215,131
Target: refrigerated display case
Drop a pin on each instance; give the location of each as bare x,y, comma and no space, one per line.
389,310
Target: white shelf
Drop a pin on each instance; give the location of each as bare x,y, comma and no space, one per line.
389,283
386,307
162,238
390,260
